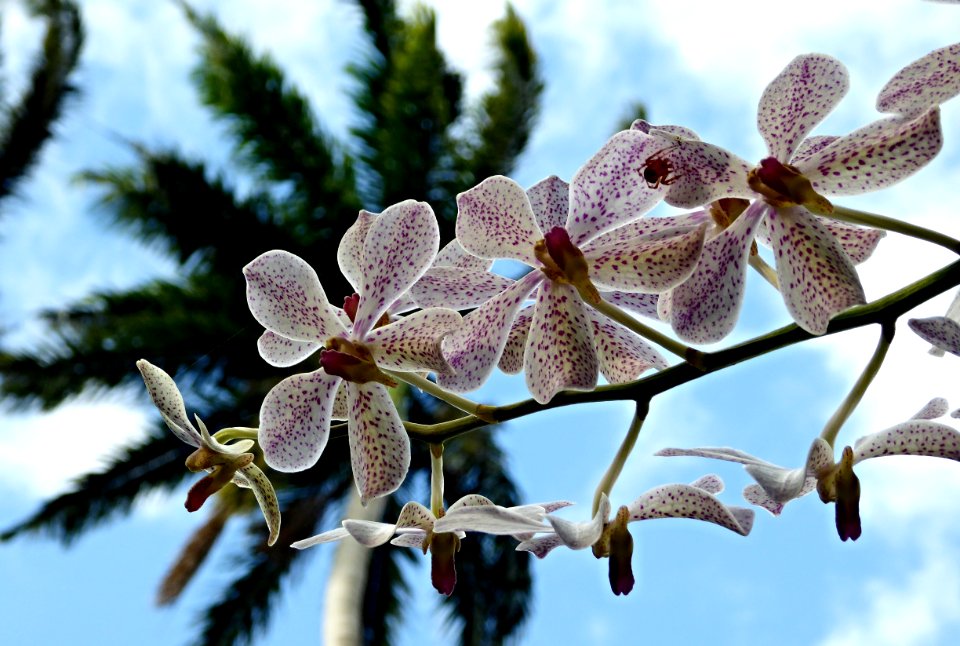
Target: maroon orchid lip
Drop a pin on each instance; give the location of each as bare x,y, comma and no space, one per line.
352,368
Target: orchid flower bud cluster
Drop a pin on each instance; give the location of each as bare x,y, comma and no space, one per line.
593,258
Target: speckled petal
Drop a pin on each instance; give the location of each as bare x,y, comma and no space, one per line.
539,509
783,485
415,516
350,251
281,352
931,80
667,131
540,546
641,266
810,146
559,353
474,349
471,500
817,278
711,483
511,360
941,331
399,248
454,255
331,536
369,533
609,190
295,420
704,309
266,498
167,398
413,342
936,407
801,96
715,453
875,156
685,501
495,220
755,495
651,228
916,437
341,403
623,356
550,200
857,242
489,519
579,535
285,296
701,173
457,288
643,304
379,446
414,539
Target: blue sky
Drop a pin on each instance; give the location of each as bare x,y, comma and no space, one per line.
702,65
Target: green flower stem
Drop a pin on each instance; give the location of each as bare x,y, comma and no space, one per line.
236,433
626,447
853,398
688,354
477,410
883,311
436,479
852,216
769,273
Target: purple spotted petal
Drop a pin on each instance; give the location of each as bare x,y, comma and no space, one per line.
550,200
817,278
538,509
295,420
559,353
266,497
285,296
929,81
936,407
622,355
281,352
875,156
579,535
715,453
857,242
784,485
341,403
650,228
684,501
326,537
168,400
379,446
490,519
641,266
810,146
495,220
350,251
704,309
369,533
454,255
415,516
457,288
471,500
755,494
668,131
511,360
540,546
415,539
711,483
916,437
399,247
609,190
643,304
700,173
941,331
801,96
413,342
474,349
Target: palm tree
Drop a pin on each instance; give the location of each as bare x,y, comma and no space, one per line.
414,140
27,124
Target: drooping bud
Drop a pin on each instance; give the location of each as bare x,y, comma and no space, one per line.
783,185
443,569
621,554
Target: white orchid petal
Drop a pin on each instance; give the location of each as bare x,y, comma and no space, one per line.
495,220
916,437
941,331
350,251
415,516
936,407
369,533
931,80
379,445
326,537
540,546
471,500
755,494
414,538
413,343
640,265
454,255
281,352
622,355
711,483
295,420
511,359
266,497
490,519
550,201
685,501
457,288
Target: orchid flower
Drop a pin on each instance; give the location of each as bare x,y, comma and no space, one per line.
557,231
286,297
418,527
836,482
942,331
611,538
223,462
815,257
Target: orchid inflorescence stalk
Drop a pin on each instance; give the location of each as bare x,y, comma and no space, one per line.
595,260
